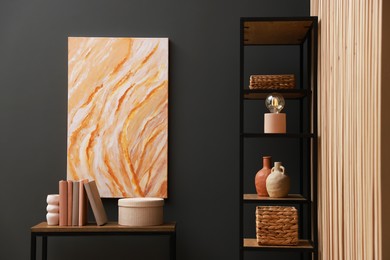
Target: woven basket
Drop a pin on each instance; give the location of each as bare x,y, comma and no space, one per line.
276,225
272,81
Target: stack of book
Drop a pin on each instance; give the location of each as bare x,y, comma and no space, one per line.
74,197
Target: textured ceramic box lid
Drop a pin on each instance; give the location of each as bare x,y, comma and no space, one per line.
141,202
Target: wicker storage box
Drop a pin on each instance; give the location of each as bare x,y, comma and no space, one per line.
276,225
272,81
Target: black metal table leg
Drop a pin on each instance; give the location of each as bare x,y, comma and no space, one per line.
44,247
172,243
33,247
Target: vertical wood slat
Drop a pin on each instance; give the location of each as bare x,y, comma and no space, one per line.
349,128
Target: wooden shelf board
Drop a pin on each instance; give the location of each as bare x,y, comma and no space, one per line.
256,94
303,245
287,135
292,198
109,227
276,32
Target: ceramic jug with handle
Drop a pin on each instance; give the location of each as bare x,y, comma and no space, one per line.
278,183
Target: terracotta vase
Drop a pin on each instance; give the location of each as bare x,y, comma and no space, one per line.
261,177
278,183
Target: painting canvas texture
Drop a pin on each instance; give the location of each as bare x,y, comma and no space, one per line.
118,115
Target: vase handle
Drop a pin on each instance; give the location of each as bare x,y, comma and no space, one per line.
273,169
281,167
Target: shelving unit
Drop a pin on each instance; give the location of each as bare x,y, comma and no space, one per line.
276,32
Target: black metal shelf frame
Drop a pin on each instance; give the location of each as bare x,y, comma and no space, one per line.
305,132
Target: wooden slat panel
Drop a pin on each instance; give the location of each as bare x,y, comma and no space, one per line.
275,32
349,99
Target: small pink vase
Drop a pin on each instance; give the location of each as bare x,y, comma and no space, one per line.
261,177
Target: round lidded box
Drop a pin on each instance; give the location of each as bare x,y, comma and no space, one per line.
139,212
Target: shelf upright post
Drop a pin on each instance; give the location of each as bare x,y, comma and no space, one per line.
315,141
301,175
241,170
309,126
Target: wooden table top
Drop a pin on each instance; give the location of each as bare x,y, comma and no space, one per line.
109,227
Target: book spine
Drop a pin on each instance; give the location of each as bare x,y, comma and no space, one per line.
96,203
63,203
83,204
70,202
75,201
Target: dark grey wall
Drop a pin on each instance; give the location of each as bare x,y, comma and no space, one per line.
204,117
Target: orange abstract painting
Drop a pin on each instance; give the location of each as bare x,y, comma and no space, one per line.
118,115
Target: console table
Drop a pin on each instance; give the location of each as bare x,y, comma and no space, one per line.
110,229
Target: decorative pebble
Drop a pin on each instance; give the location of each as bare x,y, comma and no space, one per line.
53,208
53,199
52,219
